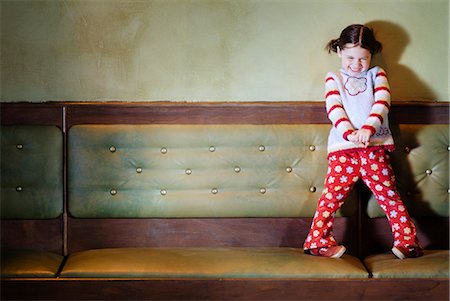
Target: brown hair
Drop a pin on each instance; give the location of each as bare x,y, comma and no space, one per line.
356,34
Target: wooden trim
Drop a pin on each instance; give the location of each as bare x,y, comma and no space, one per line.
292,112
85,234
44,234
31,114
196,113
227,289
237,113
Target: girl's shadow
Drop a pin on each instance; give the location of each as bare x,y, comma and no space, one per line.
405,84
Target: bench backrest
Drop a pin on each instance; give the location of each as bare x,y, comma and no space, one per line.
32,179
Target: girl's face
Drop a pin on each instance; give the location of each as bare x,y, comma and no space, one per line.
354,59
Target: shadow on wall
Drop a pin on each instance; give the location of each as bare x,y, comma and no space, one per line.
405,84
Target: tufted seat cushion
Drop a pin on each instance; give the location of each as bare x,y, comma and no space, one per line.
434,264
209,263
28,263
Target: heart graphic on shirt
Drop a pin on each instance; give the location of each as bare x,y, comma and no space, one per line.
355,85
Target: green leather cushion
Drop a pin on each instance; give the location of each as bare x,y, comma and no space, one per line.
28,263
31,172
197,170
434,264
209,263
421,164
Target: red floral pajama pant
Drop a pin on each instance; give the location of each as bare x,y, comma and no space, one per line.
344,170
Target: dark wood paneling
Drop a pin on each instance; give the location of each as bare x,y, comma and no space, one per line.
420,113
433,233
196,113
31,114
84,234
45,235
227,289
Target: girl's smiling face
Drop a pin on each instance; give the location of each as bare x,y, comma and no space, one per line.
354,59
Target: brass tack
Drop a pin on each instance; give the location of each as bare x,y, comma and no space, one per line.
289,169
139,170
262,190
112,148
312,189
19,146
163,192
212,149
428,171
262,148
188,171
163,150
113,192
214,191
312,148
19,188
237,169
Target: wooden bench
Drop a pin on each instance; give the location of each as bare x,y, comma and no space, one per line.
207,201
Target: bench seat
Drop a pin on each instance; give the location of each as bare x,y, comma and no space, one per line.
209,263
29,263
434,264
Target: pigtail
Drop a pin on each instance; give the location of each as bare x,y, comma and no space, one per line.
332,45
377,47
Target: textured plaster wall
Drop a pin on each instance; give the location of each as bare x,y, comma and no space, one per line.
211,50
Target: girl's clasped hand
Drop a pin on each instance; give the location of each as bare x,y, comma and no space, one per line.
360,137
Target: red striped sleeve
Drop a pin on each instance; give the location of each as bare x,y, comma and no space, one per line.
381,73
332,92
377,116
343,119
370,128
383,102
334,107
382,89
329,78
347,133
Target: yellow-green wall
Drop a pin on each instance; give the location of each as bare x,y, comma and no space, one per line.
211,50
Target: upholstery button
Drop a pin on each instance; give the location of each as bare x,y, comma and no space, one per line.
262,148
214,191
212,149
448,191
19,188
448,148
289,169
262,190
312,148
113,192
19,146
428,171
312,189
163,192
112,149
139,169
237,169
407,150
188,171
163,150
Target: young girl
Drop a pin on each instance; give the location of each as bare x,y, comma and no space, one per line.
357,103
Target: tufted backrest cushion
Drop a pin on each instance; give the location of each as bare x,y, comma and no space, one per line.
197,170
421,164
31,172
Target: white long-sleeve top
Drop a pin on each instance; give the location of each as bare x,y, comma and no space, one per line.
358,102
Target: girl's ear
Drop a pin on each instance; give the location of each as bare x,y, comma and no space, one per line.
338,51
